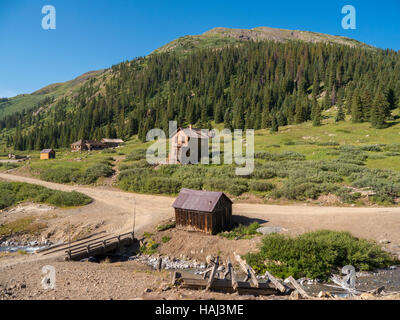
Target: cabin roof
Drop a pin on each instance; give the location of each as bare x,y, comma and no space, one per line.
112,140
198,200
193,133
46,150
85,142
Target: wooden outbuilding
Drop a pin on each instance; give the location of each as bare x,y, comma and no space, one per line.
209,212
112,143
47,154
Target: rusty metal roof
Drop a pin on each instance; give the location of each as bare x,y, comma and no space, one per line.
198,200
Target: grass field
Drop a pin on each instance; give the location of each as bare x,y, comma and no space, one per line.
298,163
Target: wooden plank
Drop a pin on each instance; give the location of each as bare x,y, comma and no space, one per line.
275,282
225,285
47,251
298,287
212,274
246,268
233,275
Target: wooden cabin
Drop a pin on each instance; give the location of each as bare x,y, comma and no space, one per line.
111,143
183,141
209,212
88,145
47,154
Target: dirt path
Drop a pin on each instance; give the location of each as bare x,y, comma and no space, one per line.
116,208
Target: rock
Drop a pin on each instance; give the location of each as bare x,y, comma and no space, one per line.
147,290
377,290
367,296
295,295
269,230
384,241
324,294
209,259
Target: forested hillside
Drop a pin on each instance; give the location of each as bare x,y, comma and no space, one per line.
252,85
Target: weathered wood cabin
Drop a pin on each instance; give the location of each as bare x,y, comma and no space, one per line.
89,145
185,140
47,154
111,143
209,212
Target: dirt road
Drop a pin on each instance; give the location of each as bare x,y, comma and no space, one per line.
116,209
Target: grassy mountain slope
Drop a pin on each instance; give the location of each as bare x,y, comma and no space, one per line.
29,101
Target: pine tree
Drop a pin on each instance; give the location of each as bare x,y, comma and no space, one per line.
356,109
340,115
379,111
316,113
274,125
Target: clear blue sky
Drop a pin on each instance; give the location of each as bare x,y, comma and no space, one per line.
95,34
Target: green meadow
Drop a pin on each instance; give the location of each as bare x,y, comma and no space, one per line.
298,163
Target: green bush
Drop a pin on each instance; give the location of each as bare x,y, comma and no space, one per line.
241,232
166,226
12,193
316,254
195,184
135,155
68,199
96,171
261,186
161,185
67,175
58,174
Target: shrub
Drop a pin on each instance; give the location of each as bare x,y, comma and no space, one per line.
372,147
234,187
135,155
241,232
165,239
149,248
58,174
13,192
106,151
68,199
166,226
160,185
316,254
96,171
196,184
260,186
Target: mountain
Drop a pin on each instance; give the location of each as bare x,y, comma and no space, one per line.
29,101
215,38
220,37
257,78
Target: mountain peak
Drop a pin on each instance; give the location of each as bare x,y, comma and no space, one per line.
221,36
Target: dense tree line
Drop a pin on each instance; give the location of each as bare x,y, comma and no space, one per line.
255,85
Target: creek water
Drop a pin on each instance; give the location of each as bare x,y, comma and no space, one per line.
27,249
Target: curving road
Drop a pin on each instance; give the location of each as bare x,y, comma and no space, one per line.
116,208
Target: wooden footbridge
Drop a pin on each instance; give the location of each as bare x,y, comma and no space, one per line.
92,246
100,247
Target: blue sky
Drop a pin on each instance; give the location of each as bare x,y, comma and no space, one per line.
95,34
